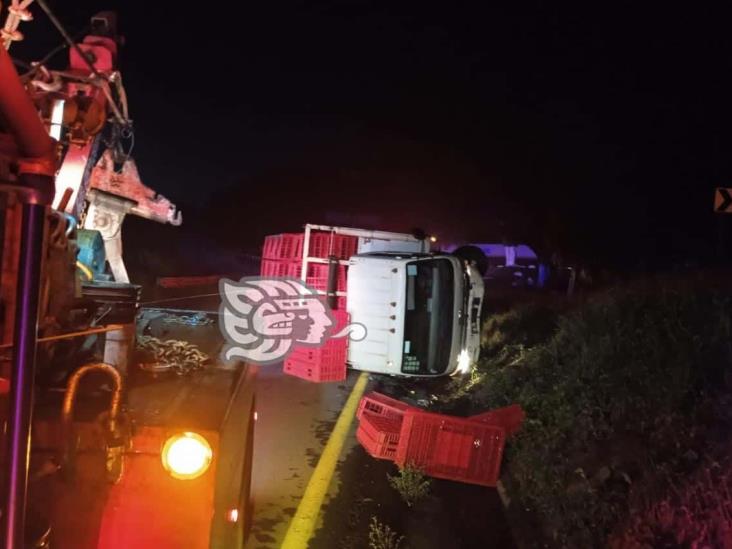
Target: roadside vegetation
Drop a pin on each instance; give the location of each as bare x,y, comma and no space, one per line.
411,484
628,398
381,536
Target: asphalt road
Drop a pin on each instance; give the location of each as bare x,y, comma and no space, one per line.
294,420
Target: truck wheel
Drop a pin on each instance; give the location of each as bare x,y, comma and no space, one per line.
473,254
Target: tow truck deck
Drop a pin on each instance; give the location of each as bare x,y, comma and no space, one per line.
146,507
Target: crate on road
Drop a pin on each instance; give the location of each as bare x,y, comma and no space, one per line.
379,404
509,417
379,435
451,448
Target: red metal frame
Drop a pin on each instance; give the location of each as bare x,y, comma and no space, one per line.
149,509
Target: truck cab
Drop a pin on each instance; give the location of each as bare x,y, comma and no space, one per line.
421,312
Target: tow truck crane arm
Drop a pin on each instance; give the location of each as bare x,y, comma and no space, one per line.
77,107
66,184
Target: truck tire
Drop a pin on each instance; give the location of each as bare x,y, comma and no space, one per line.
474,255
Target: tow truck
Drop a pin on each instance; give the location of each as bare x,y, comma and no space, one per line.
106,443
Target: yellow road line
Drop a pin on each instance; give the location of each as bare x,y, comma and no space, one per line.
303,523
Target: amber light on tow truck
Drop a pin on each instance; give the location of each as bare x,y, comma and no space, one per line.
186,455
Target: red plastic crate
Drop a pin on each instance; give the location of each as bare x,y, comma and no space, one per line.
321,284
331,354
317,372
283,246
452,448
318,277
340,302
377,404
333,351
341,318
324,363
328,244
321,245
509,417
278,267
379,435
373,448
349,246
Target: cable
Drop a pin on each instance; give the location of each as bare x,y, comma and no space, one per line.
55,51
22,64
36,65
69,335
179,298
60,28
58,49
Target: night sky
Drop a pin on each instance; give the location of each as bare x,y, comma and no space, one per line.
598,130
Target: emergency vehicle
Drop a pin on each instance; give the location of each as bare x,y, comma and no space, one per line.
105,443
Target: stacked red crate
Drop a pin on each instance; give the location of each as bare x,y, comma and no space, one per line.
324,245
341,303
317,277
325,363
317,372
282,255
279,268
283,246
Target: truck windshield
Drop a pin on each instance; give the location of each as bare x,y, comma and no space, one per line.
428,317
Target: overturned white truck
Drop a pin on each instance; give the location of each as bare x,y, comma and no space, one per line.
421,309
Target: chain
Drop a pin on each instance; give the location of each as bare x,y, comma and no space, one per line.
197,319
171,354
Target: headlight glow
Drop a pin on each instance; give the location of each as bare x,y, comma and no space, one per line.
463,362
232,515
186,455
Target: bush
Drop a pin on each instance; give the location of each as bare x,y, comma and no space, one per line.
696,513
411,484
383,537
620,396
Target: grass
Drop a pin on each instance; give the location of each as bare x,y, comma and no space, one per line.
381,536
411,484
622,395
